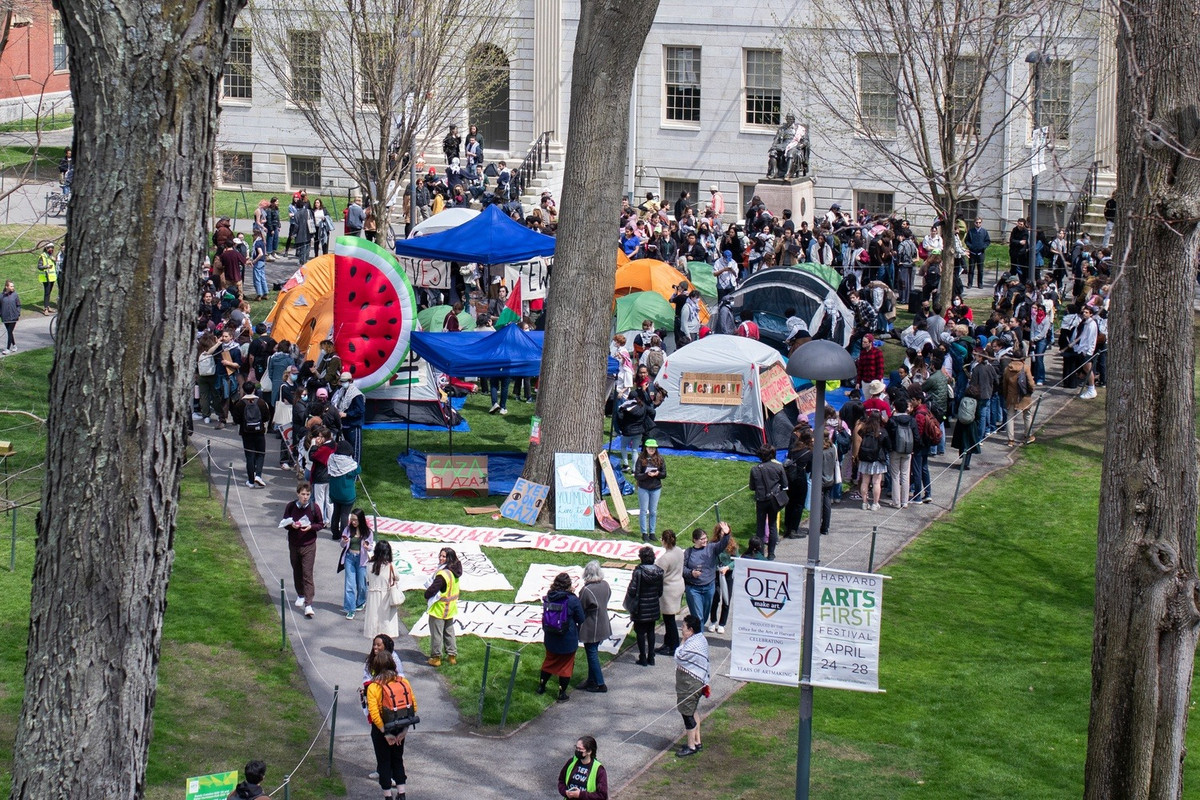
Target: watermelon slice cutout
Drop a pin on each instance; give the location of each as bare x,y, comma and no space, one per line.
374,309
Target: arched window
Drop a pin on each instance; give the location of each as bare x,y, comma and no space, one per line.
487,95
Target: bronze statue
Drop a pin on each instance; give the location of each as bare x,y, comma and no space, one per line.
787,157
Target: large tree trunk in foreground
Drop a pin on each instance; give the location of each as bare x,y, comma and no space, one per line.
579,301
1146,582
145,80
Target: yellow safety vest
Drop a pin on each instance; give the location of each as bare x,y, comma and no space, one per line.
446,606
47,270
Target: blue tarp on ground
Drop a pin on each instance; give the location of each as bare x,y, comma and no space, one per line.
503,471
490,238
507,352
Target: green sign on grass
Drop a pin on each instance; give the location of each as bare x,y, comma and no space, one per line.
211,787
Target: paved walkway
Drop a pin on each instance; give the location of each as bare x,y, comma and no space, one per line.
635,722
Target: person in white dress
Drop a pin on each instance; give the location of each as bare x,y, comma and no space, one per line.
381,616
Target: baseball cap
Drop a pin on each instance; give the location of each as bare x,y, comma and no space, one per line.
345,377
728,254
322,393
651,443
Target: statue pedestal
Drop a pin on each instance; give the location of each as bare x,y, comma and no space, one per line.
796,194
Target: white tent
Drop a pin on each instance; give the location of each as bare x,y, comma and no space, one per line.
450,218
713,395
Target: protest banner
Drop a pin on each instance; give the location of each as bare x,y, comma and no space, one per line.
710,388
539,577
515,622
217,786
574,490
416,563
524,503
464,476
806,401
512,539
847,611
534,275
775,387
426,273
768,619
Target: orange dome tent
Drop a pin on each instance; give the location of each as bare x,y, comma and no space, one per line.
652,275
297,304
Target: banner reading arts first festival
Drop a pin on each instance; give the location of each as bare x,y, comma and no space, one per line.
768,619
848,608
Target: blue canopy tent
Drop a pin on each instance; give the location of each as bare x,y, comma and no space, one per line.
490,238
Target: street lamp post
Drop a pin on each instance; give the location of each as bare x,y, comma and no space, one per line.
1035,59
818,361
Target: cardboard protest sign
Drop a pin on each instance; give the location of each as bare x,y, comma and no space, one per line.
456,475
524,503
416,563
574,490
518,623
775,387
710,388
539,577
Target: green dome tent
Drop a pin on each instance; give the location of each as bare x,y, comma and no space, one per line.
433,319
633,308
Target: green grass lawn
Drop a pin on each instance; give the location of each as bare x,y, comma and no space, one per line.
19,247
985,657
240,205
34,163
221,649
56,122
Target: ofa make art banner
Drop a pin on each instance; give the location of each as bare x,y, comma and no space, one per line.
768,620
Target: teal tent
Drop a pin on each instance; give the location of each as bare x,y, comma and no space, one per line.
434,318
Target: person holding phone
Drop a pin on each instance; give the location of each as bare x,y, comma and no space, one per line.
649,471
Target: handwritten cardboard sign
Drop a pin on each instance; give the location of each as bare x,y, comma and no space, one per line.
775,388
456,475
574,491
711,388
524,503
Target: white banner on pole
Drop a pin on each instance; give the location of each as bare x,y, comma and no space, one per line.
539,577
1040,141
518,623
768,619
416,563
534,275
426,273
848,608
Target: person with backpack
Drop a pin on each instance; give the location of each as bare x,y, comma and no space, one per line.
642,601
251,415
902,432
250,788
583,776
1017,389
768,481
653,357
966,426
444,587
871,447
929,436
562,614
390,705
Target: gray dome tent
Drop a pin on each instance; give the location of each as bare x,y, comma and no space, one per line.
770,292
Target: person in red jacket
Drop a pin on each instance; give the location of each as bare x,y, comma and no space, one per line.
303,520
870,362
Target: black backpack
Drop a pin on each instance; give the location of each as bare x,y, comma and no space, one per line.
903,443
868,449
252,418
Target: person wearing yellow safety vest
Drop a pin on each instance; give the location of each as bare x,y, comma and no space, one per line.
583,777
442,594
47,275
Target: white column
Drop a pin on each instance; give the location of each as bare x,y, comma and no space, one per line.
1106,98
547,68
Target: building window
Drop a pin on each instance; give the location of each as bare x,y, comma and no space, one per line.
1056,97
370,78
683,84
968,209
877,94
304,58
966,101
875,202
60,45
236,81
671,189
306,172
764,86
237,167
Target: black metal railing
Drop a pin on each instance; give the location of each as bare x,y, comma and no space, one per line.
537,154
1083,202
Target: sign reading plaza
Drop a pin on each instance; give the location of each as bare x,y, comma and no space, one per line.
768,617
848,607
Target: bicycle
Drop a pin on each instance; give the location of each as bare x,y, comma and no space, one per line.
54,327
56,204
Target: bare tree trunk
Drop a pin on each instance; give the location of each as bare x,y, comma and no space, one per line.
1147,618
571,393
145,85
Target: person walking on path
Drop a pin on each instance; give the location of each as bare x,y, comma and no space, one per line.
642,601
649,471
1016,386
10,315
596,626
381,616
251,415
442,612
583,777
304,522
357,541
769,482
343,470
691,680
560,608
388,691
700,569
47,269
671,562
